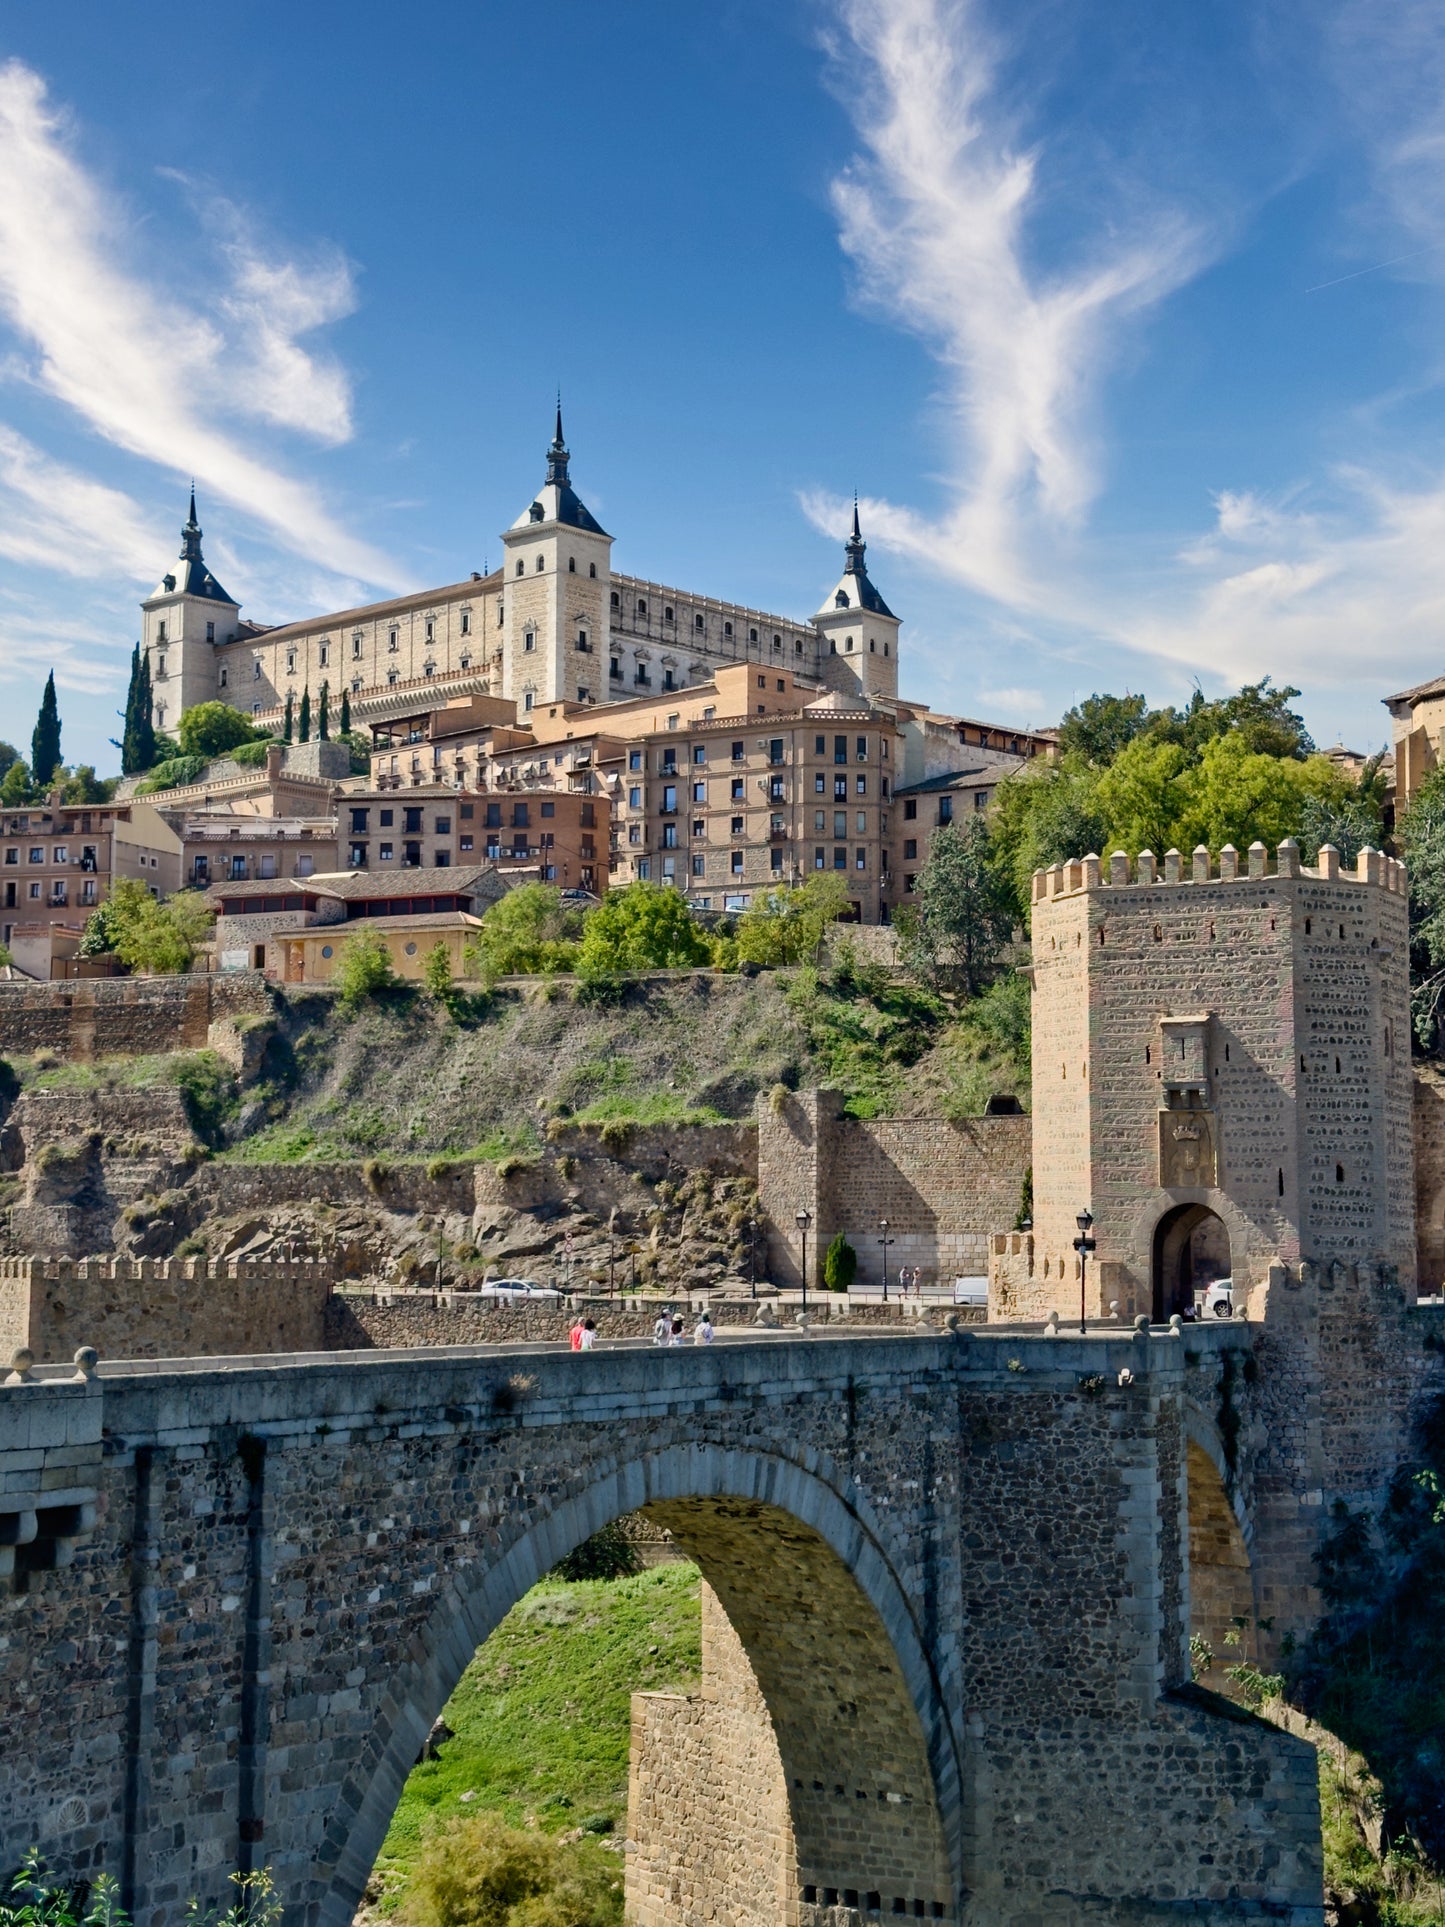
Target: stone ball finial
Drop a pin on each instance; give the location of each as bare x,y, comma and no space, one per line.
1141,1324
1051,1325
87,1359
1176,1325
21,1360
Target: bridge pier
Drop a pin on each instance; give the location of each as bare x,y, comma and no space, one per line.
949,1573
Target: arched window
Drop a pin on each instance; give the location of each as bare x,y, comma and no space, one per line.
616,600
540,562
571,565
592,569
521,566
848,645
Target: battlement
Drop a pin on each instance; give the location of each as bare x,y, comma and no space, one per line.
1088,872
297,1271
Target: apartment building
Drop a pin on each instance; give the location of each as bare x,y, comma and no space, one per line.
536,831
227,846
60,861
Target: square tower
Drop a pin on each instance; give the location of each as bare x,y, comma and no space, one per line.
1222,1057
184,620
858,629
556,610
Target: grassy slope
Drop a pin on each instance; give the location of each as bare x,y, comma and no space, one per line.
542,1714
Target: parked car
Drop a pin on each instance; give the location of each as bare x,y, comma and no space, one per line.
970,1291
1217,1300
517,1289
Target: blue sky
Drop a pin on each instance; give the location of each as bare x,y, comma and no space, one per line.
1124,321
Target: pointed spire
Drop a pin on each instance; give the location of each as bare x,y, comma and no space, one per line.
191,533
557,453
855,547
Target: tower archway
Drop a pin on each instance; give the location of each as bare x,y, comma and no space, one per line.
1191,1251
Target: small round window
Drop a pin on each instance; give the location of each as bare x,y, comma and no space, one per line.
411,950
326,950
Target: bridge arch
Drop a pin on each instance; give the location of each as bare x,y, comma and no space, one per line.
1191,1248
1221,1536
819,1608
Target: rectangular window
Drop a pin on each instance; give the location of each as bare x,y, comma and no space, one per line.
634,759
444,826
737,789
699,826
860,859
223,675
840,822
861,823
775,750
669,762
386,818
464,844
699,752
699,792
549,809
210,632
945,809
669,797
669,836
737,826
442,859
775,860
634,797
412,825
35,889
819,860
325,654
910,809
521,816
860,784
775,789
862,749
529,641
356,648
37,854
737,863
385,852
699,865
644,869
737,752
358,822
840,749
840,859
820,823
820,785
60,854
466,622
840,789
910,850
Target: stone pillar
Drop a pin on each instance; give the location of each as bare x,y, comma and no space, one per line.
797,1153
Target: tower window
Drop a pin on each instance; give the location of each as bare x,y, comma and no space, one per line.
541,562
641,607
727,628
210,632
697,622
257,669
392,642
1339,1174
160,632
616,600
466,622
571,565
529,641
521,566
752,635
592,569
431,630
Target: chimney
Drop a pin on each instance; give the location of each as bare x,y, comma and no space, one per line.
275,756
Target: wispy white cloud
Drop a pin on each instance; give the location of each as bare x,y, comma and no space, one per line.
935,215
152,370
56,518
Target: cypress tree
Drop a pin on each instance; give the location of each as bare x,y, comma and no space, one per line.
346,712
286,734
323,721
145,729
127,734
45,741
306,714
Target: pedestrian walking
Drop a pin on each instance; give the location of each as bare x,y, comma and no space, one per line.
702,1331
575,1335
589,1336
677,1335
662,1330
903,1281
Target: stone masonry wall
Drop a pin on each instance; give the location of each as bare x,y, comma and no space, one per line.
943,1186
161,1308
123,1016
709,1833
955,1565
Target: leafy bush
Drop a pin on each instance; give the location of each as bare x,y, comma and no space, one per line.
645,926
251,755
608,1554
528,932
160,939
479,1872
787,926
363,966
208,1091
214,728
174,773
840,1265
436,975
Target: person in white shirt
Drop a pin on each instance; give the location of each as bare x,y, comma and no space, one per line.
662,1330
589,1336
702,1331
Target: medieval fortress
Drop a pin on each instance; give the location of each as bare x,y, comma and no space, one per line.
953,1570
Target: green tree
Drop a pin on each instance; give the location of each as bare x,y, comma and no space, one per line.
346,712
288,732
787,926
527,932
84,786
1235,794
1101,726
645,926
210,729
45,739
8,755
15,784
1259,715
1422,837
147,744
840,1264
306,714
158,939
323,719
127,743
436,974
962,915
1043,815
363,966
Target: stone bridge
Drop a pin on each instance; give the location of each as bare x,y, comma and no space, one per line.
952,1570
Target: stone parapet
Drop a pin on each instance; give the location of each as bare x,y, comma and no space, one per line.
1202,866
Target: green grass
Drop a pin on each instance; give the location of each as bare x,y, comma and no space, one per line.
542,1716
656,1107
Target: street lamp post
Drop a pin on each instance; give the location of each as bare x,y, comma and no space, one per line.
805,1218
1084,1244
885,1241
753,1255
612,1252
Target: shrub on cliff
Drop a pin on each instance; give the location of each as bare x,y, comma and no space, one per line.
643,927
840,1265
528,932
480,1872
363,966
158,939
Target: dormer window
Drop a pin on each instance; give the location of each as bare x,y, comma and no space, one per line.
840,601
536,513
168,583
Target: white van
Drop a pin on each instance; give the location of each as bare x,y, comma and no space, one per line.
971,1291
